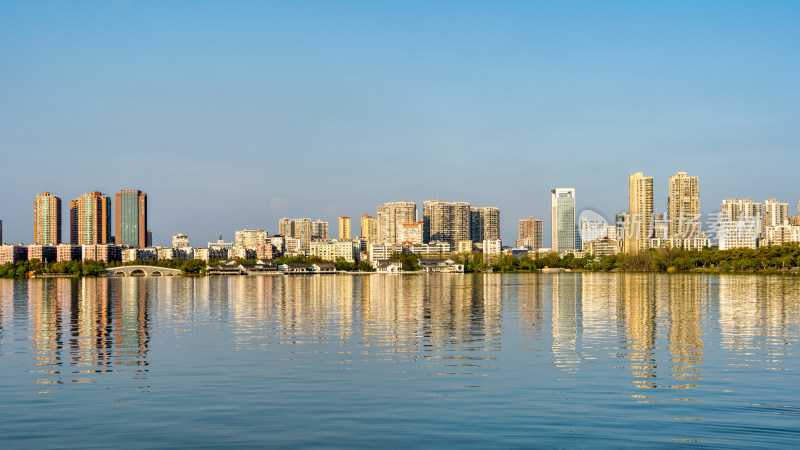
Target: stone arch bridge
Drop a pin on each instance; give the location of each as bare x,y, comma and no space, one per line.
149,271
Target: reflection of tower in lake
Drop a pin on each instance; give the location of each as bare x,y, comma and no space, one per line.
600,308
566,314
687,295
131,336
529,296
755,314
433,311
462,310
48,299
90,323
738,311
392,310
309,306
640,313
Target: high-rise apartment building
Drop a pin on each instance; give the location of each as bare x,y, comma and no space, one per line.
490,221
775,213
454,222
562,208
530,233
475,224
741,210
344,228
303,229
47,219
639,221
130,215
1,232
369,228
684,206
390,219
285,227
90,219
319,229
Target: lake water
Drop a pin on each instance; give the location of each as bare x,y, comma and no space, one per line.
484,360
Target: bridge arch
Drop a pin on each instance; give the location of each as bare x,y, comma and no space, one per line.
127,271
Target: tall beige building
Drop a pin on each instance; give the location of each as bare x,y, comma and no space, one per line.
90,219
285,227
530,232
775,213
639,225
741,210
319,229
303,229
684,206
344,228
390,219
369,228
47,219
454,222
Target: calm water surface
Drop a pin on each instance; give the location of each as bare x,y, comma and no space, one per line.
563,360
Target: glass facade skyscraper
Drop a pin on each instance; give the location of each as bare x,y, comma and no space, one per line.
131,219
562,201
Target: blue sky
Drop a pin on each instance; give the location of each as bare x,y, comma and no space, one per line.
232,115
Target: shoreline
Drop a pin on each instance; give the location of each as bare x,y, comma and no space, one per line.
795,271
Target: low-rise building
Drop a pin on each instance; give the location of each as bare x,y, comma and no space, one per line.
332,249
180,240
737,234
380,251
492,246
575,253
295,268
183,253
410,232
431,248
323,268
278,242
242,253
44,253
68,252
774,235
601,247
259,268
13,254
388,266
101,252
201,253
292,245
165,253
142,254
224,269
265,251
464,246
440,266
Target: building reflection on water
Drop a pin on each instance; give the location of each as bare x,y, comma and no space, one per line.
82,328
654,324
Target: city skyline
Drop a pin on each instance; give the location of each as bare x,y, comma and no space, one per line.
412,102
783,212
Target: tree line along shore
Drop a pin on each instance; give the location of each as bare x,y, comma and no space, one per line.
773,259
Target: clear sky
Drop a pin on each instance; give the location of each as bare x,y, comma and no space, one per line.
231,115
